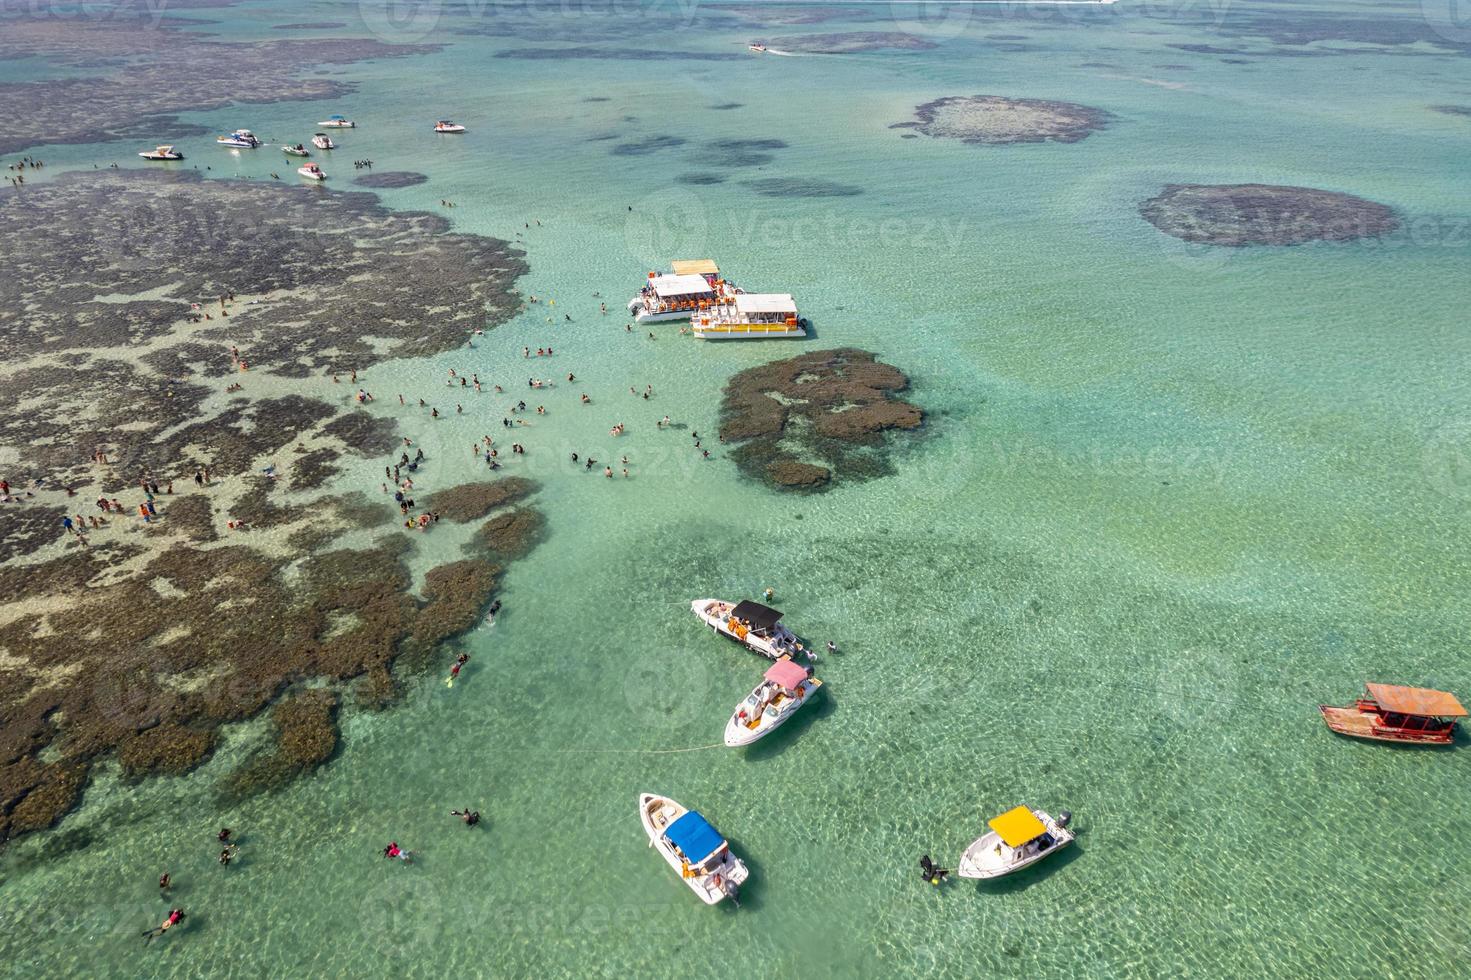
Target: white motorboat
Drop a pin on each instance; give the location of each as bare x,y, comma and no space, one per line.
296,151
323,142
164,151
750,316
784,688
1019,838
692,847
751,624
757,48
242,138
338,122
311,172
692,286
445,126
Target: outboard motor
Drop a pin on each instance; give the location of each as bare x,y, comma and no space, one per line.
1064,818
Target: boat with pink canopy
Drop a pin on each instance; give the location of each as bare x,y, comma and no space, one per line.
784,688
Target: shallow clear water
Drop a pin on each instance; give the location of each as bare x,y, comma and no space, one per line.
1169,500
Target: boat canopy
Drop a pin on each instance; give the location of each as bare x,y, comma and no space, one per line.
786,673
687,285
760,617
766,303
695,267
338,118
1018,827
694,837
1416,701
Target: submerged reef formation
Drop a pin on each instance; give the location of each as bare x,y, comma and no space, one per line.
806,421
173,344
390,178
1264,214
996,120
132,71
852,42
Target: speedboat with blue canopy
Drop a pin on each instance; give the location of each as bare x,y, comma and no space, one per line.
692,847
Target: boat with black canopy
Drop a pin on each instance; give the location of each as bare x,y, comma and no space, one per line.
751,624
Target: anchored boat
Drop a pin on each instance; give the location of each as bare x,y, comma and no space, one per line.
1398,714
242,138
296,151
750,316
1019,838
445,126
338,122
311,172
164,151
323,142
692,847
751,624
784,688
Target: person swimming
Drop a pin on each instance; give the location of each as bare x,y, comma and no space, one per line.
174,917
471,817
931,872
394,851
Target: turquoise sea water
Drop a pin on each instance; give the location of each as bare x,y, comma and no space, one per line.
1170,498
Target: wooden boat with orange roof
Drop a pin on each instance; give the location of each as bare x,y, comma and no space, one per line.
1398,714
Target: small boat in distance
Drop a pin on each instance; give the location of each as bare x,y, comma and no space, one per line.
784,688
692,847
750,316
323,142
311,172
1398,714
445,126
242,138
296,151
751,624
1018,838
164,151
338,122
758,48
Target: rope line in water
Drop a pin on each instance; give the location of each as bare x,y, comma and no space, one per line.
692,748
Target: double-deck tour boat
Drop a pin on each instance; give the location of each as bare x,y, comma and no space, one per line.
784,688
692,847
692,286
323,142
242,138
445,126
163,151
1398,714
749,316
751,624
311,172
1018,838
338,122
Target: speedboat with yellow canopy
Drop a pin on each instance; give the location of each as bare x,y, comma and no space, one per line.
1019,838
750,624
784,688
692,847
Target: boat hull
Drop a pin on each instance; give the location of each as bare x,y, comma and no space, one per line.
738,733
658,812
981,861
646,317
748,331
704,609
1354,723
